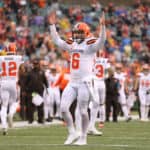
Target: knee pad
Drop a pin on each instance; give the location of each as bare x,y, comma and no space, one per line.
84,112
83,108
95,104
64,109
5,98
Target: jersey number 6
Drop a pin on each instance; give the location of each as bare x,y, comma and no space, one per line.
75,60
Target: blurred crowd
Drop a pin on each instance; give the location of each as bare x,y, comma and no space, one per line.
23,23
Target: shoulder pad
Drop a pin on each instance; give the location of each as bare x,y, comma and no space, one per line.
69,41
91,41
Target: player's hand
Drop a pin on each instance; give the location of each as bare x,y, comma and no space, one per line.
52,18
102,19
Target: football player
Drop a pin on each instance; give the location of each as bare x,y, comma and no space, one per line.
99,69
144,91
121,76
55,99
9,65
82,48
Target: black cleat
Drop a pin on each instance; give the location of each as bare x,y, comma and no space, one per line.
128,119
5,132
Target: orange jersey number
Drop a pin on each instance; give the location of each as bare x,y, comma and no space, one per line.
12,68
100,71
75,60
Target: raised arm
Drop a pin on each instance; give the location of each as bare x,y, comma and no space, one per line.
54,34
102,36
99,43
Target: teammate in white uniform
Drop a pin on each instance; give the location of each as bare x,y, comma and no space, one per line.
122,97
99,69
81,51
144,92
9,93
55,99
48,96
130,92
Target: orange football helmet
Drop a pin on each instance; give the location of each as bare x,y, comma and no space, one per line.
118,67
12,48
81,31
81,26
145,67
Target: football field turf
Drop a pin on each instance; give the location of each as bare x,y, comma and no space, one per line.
133,135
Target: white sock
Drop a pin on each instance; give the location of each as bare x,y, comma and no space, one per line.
85,124
93,116
77,119
68,119
46,111
3,114
125,111
142,109
57,110
51,110
102,113
146,112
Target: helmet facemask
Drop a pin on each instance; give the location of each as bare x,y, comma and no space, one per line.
146,71
78,36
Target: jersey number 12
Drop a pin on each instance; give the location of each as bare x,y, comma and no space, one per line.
9,68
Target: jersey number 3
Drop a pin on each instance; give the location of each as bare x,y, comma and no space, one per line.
9,68
100,71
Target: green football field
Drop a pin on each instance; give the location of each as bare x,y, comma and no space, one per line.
133,135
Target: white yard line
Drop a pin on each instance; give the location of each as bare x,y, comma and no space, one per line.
45,136
91,145
24,124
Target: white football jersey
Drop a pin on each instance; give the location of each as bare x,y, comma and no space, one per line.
9,67
122,78
144,82
81,61
81,55
99,67
52,79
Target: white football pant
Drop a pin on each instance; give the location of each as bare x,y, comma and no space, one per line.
144,104
8,98
48,97
80,92
123,103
